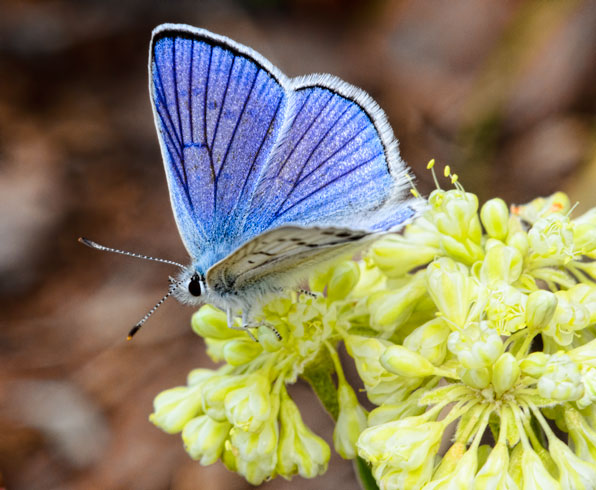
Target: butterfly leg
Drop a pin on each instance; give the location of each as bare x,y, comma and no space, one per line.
243,328
246,324
308,293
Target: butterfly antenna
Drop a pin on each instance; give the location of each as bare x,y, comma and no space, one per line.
97,246
141,322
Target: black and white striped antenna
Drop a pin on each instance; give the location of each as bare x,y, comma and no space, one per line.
173,286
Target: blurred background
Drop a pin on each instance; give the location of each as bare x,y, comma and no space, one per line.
503,91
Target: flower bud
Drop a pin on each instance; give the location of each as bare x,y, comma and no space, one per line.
476,346
519,240
241,351
204,438
534,364
403,362
391,308
561,379
199,375
396,255
552,237
568,318
430,340
451,288
366,352
257,470
540,308
395,411
505,307
268,340
344,277
211,322
493,473
403,444
589,380
457,216
371,279
214,392
584,295
478,378
350,422
505,373
462,476
249,406
574,474
173,408
299,451
534,473
501,263
454,213
256,452
584,237
581,435
495,218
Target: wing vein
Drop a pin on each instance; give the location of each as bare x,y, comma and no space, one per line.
190,116
337,151
298,177
335,179
162,99
305,132
215,131
232,138
207,146
175,77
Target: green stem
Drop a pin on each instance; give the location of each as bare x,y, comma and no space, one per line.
319,375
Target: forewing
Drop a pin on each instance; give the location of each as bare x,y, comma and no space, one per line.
218,109
336,161
280,252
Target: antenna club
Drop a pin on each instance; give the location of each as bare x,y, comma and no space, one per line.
133,331
86,241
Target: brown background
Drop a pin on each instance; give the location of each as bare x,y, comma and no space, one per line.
501,90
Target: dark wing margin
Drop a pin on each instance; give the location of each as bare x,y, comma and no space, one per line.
218,109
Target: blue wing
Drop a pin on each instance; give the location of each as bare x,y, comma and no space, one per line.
218,109
246,149
335,161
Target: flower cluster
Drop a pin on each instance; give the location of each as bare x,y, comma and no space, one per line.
242,413
497,339
474,336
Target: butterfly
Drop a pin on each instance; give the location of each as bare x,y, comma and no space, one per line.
269,176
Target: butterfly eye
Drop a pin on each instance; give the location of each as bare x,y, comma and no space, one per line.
194,286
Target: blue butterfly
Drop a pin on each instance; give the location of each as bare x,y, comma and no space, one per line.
268,176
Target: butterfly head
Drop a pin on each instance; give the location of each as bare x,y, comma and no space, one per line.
191,287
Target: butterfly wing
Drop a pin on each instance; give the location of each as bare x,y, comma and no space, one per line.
336,163
247,150
270,257
218,108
